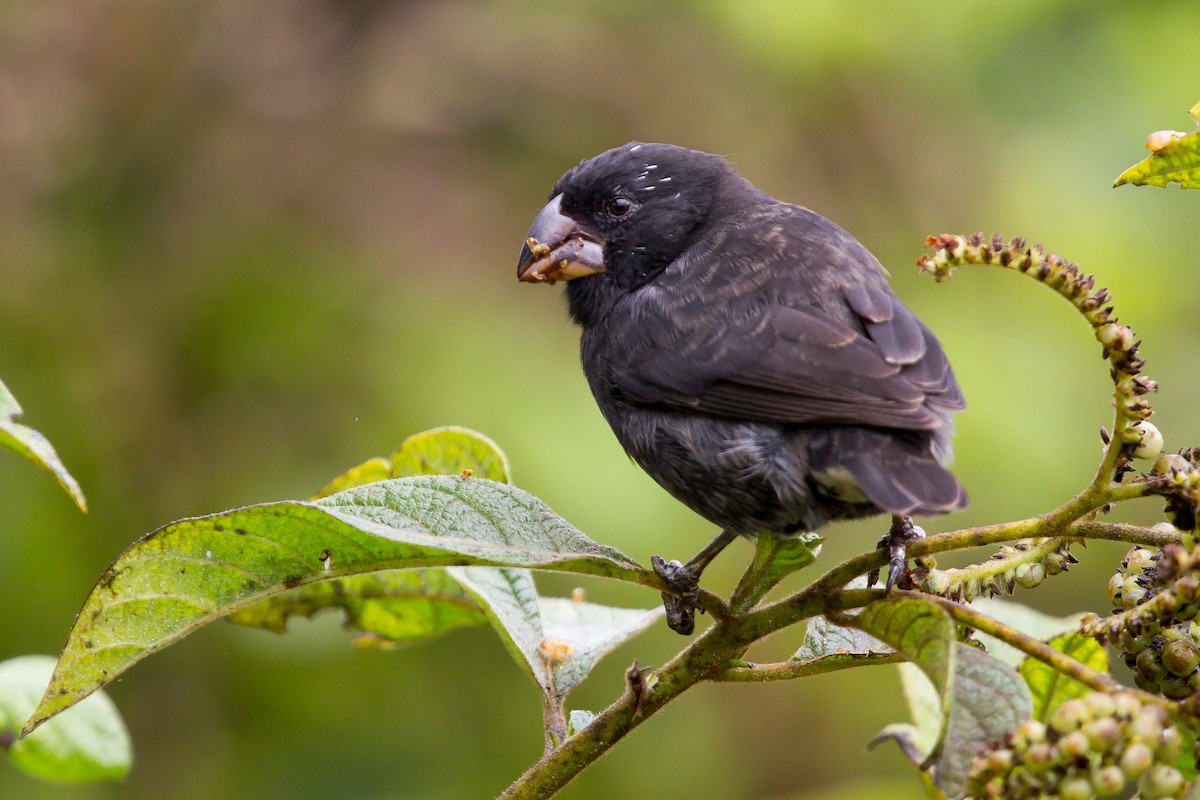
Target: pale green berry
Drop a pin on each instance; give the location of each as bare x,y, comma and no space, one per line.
1115,586
1076,789
1170,746
1072,746
1127,705
1136,759
1148,439
1069,716
1030,575
1108,781
1148,725
1115,336
1039,756
1101,704
1166,463
937,582
1132,597
1028,733
1161,782
1102,734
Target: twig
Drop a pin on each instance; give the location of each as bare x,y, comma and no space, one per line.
1059,661
787,670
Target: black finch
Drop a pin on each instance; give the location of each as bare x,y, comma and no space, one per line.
748,353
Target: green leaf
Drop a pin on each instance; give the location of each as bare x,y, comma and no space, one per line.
191,572
1187,756
390,607
775,558
824,641
439,451
988,701
1029,621
30,444
371,470
450,451
558,641
578,720
579,634
88,744
924,635
1049,687
1175,159
394,606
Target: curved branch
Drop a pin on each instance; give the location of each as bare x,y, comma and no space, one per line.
1059,661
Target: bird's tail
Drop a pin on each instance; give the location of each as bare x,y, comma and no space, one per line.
900,472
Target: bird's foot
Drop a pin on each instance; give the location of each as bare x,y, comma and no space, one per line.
895,542
680,602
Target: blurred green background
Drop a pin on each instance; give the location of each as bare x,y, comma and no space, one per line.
244,246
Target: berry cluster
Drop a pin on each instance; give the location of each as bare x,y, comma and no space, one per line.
1157,597
1100,745
1176,476
1024,563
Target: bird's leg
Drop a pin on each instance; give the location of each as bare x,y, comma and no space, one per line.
684,580
896,542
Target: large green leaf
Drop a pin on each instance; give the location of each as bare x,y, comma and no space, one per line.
924,635
88,744
1175,159
27,442
188,573
1028,620
449,450
988,701
394,606
827,643
558,641
388,607
1049,687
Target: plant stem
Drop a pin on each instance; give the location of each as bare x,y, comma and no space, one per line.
1059,661
787,670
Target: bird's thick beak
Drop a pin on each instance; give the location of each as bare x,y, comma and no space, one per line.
557,250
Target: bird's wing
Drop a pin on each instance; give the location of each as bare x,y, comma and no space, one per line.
765,359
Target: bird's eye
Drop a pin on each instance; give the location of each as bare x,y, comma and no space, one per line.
619,206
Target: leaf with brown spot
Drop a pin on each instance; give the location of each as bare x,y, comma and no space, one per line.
144,603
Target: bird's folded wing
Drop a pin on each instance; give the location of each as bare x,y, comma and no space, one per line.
785,364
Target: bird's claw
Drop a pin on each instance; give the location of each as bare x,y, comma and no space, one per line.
895,542
680,602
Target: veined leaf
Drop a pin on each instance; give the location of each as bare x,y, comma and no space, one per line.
1175,158
557,640
924,635
439,451
30,444
1049,687
988,701
1028,620
188,573
826,642
391,607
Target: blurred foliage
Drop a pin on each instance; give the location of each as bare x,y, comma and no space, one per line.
1174,158
247,245
33,446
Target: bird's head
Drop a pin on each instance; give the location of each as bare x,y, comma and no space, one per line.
618,219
